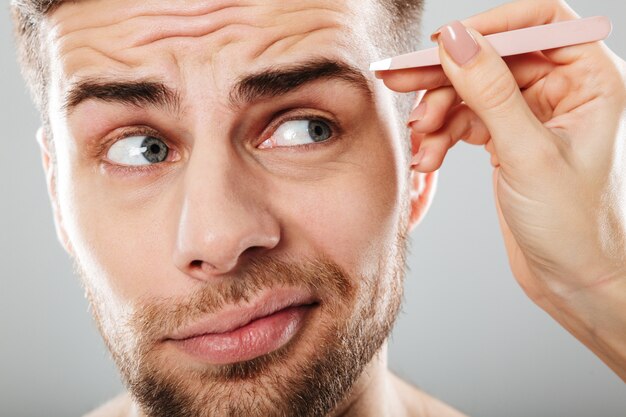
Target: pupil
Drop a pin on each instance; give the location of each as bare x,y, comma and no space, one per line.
155,148
319,130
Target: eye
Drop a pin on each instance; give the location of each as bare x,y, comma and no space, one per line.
299,132
138,150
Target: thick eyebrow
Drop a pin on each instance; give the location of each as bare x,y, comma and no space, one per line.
276,81
135,93
266,84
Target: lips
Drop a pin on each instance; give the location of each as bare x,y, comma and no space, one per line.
234,317
237,334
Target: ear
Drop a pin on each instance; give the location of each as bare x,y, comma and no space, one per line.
47,155
422,188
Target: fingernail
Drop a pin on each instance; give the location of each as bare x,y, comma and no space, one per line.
459,43
417,114
417,159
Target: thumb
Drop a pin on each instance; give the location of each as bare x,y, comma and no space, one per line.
485,83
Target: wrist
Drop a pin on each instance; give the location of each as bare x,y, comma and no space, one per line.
595,315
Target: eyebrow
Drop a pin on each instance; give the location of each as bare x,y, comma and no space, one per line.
266,84
135,93
276,81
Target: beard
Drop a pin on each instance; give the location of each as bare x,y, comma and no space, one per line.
307,377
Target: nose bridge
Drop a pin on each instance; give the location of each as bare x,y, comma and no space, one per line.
222,214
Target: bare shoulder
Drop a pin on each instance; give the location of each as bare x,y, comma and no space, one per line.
421,404
119,406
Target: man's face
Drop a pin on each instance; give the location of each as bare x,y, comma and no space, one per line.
219,161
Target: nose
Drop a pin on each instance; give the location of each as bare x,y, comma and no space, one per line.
223,218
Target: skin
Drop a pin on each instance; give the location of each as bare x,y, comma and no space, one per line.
331,198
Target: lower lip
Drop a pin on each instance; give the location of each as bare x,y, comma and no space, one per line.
257,338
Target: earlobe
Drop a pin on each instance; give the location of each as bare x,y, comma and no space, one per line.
49,171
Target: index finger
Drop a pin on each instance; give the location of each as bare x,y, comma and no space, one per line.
412,79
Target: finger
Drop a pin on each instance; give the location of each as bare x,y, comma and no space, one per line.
486,85
520,14
463,124
526,69
431,113
412,79
596,52
528,13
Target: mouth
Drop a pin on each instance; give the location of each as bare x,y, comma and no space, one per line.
243,333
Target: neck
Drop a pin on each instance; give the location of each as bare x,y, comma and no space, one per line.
375,393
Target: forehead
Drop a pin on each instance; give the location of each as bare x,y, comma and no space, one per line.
175,39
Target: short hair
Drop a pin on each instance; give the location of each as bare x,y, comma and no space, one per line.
397,31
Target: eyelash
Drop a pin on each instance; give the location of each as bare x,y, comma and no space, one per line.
141,170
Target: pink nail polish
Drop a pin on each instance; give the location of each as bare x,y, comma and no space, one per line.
417,114
459,43
417,159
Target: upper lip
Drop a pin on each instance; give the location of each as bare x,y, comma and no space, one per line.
236,316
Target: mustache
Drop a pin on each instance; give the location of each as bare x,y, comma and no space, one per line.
320,276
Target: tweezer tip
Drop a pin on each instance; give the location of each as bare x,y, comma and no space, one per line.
383,65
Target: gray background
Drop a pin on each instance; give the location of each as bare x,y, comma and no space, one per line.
467,334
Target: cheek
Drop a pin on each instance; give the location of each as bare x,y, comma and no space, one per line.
125,251
351,216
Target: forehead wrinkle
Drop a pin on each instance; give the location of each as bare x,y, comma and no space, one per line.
106,14
233,20
99,40
154,28
289,42
115,48
288,36
195,22
103,45
98,52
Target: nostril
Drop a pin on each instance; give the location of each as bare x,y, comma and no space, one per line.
196,264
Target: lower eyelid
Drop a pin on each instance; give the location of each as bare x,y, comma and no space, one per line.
135,170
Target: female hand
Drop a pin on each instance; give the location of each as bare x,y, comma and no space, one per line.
554,123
